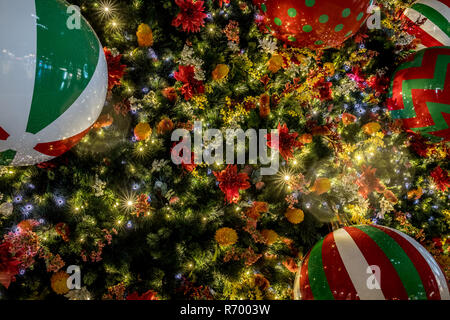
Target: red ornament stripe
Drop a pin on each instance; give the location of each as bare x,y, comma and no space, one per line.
390,282
338,279
426,39
3,134
421,265
305,287
57,148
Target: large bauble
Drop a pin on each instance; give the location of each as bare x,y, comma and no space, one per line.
420,93
429,21
53,80
316,24
369,262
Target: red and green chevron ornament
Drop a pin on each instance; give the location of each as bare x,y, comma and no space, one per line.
369,262
420,93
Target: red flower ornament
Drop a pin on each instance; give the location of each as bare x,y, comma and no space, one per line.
116,70
286,143
441,178
191,86
230,182
368,182
9,265
191,16
149,295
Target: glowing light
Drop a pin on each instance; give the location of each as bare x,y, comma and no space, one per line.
128,200
284,178
106,9
114,25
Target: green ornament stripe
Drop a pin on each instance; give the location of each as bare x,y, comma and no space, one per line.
6,157
434,15
316,275
400,261
65,63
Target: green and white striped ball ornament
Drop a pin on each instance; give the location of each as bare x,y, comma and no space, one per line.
369,262
430,22
53,80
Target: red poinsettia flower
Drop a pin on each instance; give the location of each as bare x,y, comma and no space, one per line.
357,76
221,2
419,144
187,163
378,83
116,70
368,182
149,295
190,86
230,182
283,141
9,266
441,178
191,16
324,90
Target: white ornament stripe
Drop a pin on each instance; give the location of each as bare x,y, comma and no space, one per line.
437,272
356,265
18,62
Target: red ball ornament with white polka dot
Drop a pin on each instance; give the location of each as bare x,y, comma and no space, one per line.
317,24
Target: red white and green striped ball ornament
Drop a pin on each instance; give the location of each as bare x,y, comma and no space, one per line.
316,24
420,93
369,262
53,80
430,22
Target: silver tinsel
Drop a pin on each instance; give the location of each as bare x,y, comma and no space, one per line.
385,207
81,294
233,46
6,209
135,104
268,45
99,186
158,165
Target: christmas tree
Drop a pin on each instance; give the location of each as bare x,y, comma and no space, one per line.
140,226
